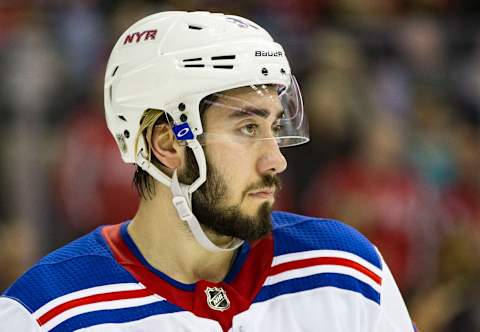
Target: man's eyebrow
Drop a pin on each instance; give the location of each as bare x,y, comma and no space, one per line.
249,110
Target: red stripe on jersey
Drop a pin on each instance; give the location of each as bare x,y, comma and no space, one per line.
325,261
112,296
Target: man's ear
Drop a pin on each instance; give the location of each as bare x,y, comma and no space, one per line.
165,147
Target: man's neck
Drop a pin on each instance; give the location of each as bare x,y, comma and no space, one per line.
167,244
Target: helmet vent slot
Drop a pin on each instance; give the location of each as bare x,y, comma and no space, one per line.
192,59
194,27
196,62
121,117
114,71
223,57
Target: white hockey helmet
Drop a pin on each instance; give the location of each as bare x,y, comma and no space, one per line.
170,61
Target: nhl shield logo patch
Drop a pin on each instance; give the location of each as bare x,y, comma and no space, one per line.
217,298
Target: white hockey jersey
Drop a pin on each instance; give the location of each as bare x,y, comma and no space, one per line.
308,275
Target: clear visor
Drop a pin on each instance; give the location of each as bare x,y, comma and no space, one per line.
255,113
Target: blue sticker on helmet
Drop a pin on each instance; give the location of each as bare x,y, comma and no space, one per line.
183,132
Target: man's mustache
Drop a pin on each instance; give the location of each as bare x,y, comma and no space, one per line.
266,181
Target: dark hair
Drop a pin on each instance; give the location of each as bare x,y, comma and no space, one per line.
143,182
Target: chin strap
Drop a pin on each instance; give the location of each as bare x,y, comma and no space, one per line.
182,200
182,196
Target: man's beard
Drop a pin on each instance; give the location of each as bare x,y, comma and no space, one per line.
227,220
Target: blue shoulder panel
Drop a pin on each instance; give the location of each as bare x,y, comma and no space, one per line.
84,263
296,233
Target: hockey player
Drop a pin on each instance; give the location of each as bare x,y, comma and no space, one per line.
201,103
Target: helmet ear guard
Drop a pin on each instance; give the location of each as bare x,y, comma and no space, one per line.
171,61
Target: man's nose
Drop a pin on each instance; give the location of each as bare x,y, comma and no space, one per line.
271,159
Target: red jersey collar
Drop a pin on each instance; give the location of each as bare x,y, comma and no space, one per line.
238,290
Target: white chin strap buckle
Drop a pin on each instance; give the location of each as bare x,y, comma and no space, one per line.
182,202
181,205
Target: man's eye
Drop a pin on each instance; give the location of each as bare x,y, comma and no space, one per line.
249,129
276,128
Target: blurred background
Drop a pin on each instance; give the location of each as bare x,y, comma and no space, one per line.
392,91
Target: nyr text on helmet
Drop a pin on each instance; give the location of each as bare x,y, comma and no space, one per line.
138,36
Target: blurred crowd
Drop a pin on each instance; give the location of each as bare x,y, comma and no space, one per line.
392,91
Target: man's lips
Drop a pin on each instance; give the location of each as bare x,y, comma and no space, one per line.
263,193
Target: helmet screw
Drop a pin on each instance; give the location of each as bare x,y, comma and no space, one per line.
181,107
183,118
282,71
264,71
126,133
